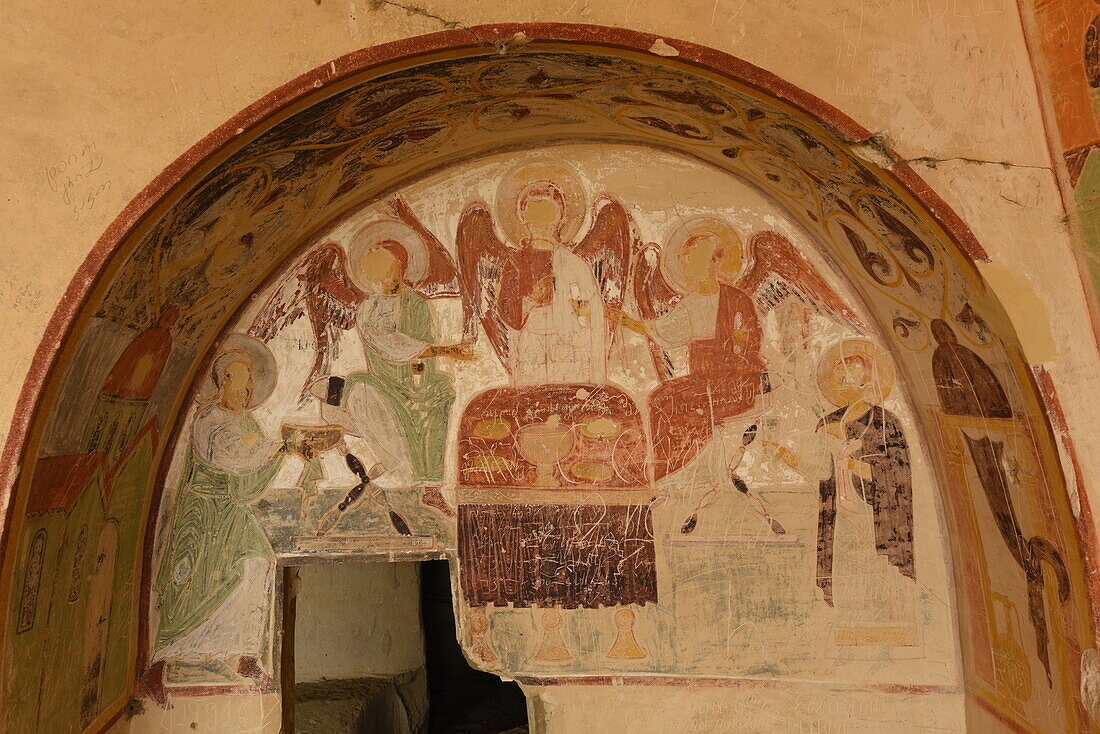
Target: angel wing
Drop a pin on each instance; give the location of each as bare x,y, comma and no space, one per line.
440,278
777,271
319,287
607,247
655,297
482,261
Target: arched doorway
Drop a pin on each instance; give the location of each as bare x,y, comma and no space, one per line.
384,119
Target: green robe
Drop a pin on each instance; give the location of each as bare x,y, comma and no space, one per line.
213,532
422,410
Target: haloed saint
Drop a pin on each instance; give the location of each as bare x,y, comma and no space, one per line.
216,566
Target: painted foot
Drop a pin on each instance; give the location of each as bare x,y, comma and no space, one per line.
249,667
433,498
399,524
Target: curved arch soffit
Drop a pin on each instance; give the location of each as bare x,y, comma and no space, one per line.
217,223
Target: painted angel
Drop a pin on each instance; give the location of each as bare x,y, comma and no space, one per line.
697,294
381,289
543,293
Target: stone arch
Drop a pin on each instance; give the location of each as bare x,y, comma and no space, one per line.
206,234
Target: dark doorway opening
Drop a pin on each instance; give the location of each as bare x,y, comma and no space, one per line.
461,700
356,660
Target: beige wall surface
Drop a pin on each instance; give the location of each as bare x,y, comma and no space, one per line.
591,710
100,97
357,620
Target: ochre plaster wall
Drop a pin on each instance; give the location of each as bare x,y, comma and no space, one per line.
115,93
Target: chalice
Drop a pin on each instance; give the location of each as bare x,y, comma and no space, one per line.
544,445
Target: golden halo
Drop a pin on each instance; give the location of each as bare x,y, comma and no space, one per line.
671,266
253,351
882,369
367,238
519,178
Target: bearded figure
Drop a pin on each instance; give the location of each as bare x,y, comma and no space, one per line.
217,566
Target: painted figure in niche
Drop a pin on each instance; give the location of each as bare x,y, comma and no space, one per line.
32,582
696,295
120,407
967,386
216,567
865,520
381,288
526,537
541,294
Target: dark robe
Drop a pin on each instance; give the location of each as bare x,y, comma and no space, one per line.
518,279
968,387
889,492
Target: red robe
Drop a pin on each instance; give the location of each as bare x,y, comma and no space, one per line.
725,376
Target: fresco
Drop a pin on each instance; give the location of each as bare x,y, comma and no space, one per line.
623,408
668,421
1067,37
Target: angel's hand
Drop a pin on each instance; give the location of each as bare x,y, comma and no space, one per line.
543,290
580,308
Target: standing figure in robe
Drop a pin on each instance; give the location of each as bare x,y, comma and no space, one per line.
541,294
866,506
967,386
382,287
217,567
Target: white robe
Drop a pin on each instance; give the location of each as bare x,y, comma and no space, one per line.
556,344
366,413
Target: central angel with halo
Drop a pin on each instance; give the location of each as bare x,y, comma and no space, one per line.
551,302
542,294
